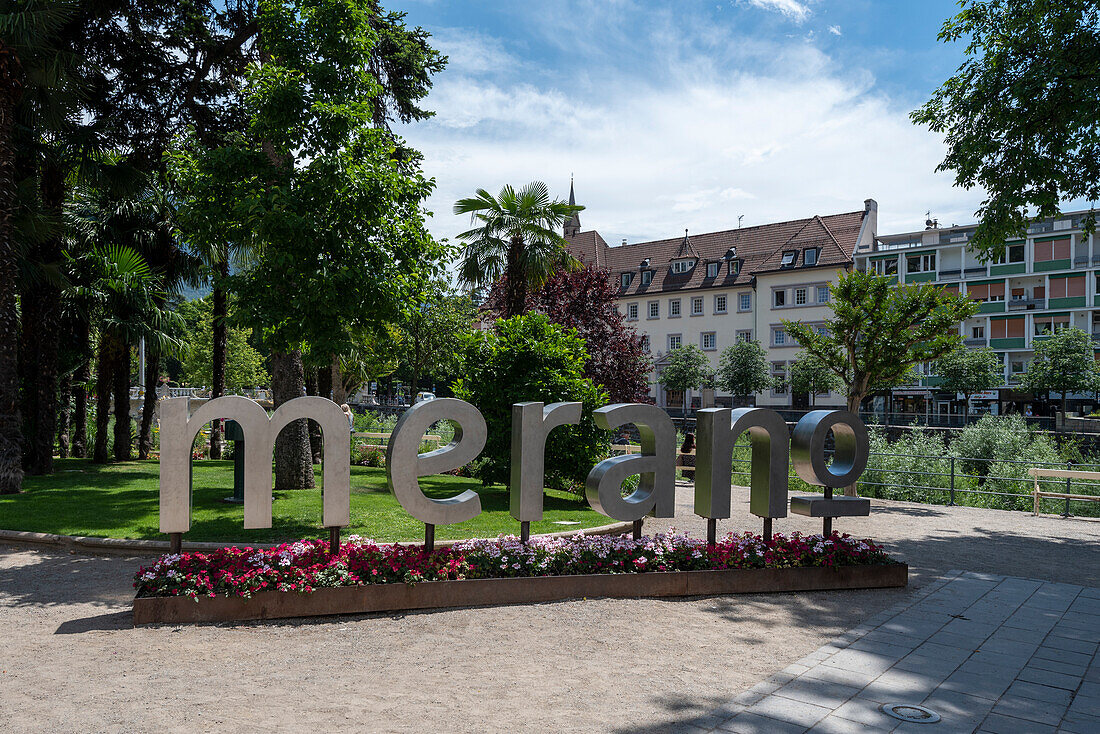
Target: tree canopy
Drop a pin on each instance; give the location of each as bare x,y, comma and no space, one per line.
809,374
969,371
1021,116
1064,362
687,368
743,369
878,331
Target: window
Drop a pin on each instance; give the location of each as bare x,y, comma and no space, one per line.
632,312
645,342
745,299
823,294
779,337
697,306
734,267
712,269
682,266
744,336
809,257
647,277
1052,250
1071,287
719,304
674,341
1012,254
709,340
1018,366
1051,323
788,258
822,330
654,309
779,378
674,308
986,291
800,296
888,266
977,332
921,263
624,279
779,298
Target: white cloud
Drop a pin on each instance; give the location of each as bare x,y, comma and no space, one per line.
835,30
791,8
695,147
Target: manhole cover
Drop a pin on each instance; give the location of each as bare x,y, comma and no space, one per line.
911,713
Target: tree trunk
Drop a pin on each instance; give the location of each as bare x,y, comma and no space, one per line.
217,384
339,391
11,450
64,412
124,433
80,392
314,428
324,382
103,381
149,405
516,291
293,468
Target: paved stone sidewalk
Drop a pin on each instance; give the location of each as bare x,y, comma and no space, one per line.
987,653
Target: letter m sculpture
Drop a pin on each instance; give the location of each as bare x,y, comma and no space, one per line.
177,432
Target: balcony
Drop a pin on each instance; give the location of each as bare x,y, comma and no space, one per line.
974,272
1081,262
975,341
1027,304
949,274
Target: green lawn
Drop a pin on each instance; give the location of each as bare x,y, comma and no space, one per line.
120,501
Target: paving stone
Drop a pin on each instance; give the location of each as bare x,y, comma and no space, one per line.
997,724
1043,712
958,708
1040,692
1049,678
1087,705
901,685
747,723
839,675
1009,647
1063,656
881,648
1089,689
984,686
787,709
861,661
836,725
961,642
817,691
1080,723
1071,644
980,667
866,712
943,652
928,665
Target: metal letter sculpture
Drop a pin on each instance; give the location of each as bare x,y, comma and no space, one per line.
531,423
718,431
849,461
177,432
656,465
404,466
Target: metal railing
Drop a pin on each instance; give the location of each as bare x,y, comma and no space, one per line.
956,485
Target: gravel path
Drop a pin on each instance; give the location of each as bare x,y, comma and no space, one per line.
71,661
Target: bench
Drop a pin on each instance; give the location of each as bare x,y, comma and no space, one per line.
384,437
1061,474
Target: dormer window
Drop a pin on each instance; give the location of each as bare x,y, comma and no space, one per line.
734,267
788,259
647,277
712,269
682,266
624,280
809,257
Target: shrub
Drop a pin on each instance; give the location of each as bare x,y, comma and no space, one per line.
904,469
529,358
991,438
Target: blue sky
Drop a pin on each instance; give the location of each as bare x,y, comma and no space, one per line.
674,115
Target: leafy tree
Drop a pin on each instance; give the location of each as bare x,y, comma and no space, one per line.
743,369
516,238
810,375
687,368
373,356
1021,115
585,300
969,371
329,201
879,331
244,365
1064,362
529,358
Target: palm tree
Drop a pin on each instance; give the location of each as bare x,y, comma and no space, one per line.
515,239
29,60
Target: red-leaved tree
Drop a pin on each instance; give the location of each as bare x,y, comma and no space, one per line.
585,300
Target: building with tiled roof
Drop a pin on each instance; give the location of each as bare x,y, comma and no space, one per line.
714,288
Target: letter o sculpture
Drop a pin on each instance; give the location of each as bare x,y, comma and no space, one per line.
808,448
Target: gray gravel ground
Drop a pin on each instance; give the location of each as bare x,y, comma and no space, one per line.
70,661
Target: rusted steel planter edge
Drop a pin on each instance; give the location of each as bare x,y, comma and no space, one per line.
492,592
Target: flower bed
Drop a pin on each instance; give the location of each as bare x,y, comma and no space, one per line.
306,566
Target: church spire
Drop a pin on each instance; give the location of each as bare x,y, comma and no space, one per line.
573,223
